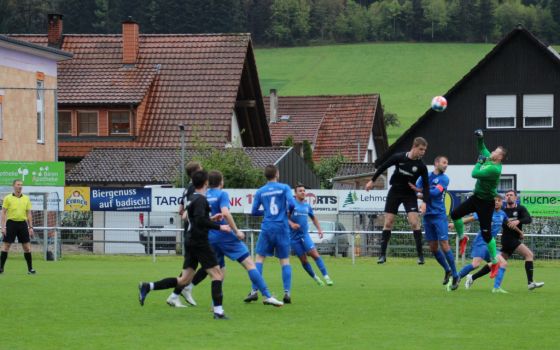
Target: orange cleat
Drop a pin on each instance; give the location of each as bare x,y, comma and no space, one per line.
463,244
494,270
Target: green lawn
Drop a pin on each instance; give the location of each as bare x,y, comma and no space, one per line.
86,302
406,75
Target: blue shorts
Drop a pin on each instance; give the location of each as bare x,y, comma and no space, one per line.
274,240
302,244
233,249
480,251
436,228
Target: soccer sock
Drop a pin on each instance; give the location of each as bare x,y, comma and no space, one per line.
321,265
465,270
459,227
259,266
287,277
418,240
451,261
492,250
199,276
217,296
165,283
3,258
385,237
441,260
28,260
529,271
307,267
258,280
499,277
483,271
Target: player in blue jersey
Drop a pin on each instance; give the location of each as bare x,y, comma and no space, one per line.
302,245
479,250
435,221
228,244
277,201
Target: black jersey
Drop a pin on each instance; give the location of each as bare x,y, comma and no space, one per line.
187,193
198,211
407,171
520,213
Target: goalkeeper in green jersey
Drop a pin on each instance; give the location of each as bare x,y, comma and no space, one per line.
487,174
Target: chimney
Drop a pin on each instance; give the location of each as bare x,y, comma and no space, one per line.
130,43
54,30
273,106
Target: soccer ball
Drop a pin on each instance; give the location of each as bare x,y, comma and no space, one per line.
439,103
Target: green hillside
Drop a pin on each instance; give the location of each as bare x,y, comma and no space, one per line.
406,75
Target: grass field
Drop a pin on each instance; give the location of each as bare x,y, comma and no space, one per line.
86,302
406,75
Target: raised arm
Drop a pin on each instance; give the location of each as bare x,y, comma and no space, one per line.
482,147
388,163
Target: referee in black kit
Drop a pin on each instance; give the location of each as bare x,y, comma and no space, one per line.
408,168
17,222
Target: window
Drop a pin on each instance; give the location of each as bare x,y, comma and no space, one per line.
538,111
507,182
40,111
87,123
501,111
120,122
65,122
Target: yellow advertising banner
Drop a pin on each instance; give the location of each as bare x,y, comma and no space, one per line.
76,199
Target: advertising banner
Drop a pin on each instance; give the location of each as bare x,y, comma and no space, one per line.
121,199
541,203
32,173
76,199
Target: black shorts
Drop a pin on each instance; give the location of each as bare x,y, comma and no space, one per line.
484,208
396,197
201,254
510,244
17,229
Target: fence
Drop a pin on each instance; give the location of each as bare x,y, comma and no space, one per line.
345,234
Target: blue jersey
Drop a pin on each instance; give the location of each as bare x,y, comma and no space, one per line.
218,199
276,199
438,188
498,218
301,212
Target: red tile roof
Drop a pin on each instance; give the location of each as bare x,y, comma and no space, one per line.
331,123
190,79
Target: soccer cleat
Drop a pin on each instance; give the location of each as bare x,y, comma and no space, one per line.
31,272
382,259
469,282
273,301
499,291
174,302
420,260
329,281
143,290
455,283
446,277
220,316
253,296
319,281
287,299
187,294
463,245
494,270
535,285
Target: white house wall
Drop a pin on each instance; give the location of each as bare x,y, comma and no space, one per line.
27,62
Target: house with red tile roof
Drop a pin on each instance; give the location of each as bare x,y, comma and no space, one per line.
133,90
351,125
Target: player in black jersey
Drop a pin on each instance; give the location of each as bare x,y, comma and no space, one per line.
512,237
408,168
198,250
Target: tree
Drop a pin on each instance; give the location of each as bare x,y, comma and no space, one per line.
327,168
308,154
486,13
290,21
289,141
390,118
435,12
322,18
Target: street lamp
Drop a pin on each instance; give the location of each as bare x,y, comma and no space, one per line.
182,130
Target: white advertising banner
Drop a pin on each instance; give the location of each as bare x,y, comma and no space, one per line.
363,201
37,195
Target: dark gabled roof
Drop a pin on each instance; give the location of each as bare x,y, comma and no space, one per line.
355,169
548,51
149,165
23,45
